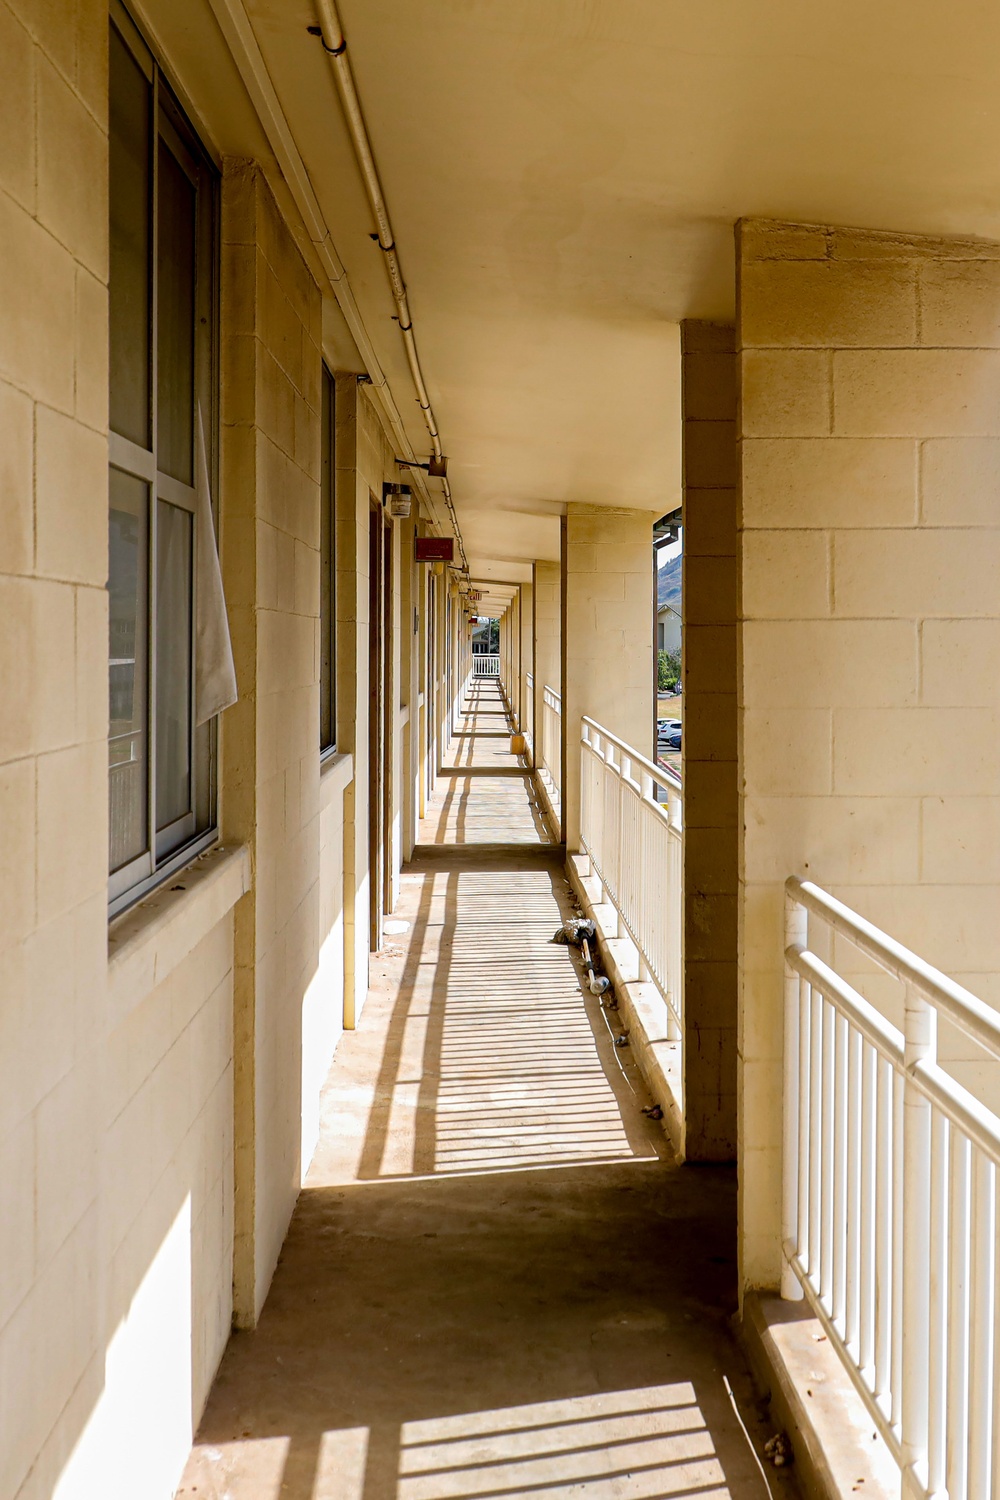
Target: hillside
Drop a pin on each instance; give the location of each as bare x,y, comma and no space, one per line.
668,580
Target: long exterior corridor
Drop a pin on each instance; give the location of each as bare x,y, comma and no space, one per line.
488,797
497,1282
437,498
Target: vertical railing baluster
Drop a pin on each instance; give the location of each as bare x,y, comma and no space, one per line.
981,1316
838,1290
959,1230
937,1360
815,1135
883,1234
827,1183
852,1310
868,1214
805,1110
796,936
920,1045
896,1315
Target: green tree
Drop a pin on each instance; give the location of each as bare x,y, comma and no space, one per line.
668,670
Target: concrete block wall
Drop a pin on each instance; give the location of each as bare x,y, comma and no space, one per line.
53,729
270,473
527,660
159,1080
408,749
352,502
323,1005
608,614
548,629
115,1094
547,590
711,852
869,552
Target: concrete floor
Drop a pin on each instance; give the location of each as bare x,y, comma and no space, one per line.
496,1282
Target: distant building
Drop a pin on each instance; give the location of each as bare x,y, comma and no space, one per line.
668,605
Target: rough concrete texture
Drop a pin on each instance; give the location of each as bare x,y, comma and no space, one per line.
484,796
496,1281
838,1450
711,782
869,554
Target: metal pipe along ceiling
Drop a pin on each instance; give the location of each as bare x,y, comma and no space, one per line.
335,46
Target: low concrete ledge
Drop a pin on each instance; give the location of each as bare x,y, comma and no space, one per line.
550,808
640,1005
336,773
148,942
838,1452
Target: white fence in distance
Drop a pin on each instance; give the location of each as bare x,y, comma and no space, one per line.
634,845
550,764
890,1199
485,664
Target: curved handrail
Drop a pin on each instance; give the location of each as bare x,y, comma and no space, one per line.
662,775
972,1015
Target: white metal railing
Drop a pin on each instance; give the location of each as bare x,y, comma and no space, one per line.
634,845
551,762
485,664
890,1200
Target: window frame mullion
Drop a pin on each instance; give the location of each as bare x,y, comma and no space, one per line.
171,848
154,488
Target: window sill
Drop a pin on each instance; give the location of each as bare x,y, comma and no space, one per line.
147,943
335,775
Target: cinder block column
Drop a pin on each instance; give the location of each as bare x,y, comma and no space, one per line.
352,513
608,611
548,628
547,637
270,487
708,387
527,659
869,631
514,655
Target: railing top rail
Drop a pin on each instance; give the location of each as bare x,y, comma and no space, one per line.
972,1015
664,777
883,1036
554,697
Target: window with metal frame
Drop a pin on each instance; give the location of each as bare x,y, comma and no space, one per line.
328,573
163,293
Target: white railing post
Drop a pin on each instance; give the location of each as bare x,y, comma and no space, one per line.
796,936
633,845
919,1045
890,1223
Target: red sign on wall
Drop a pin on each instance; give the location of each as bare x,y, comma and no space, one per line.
435,549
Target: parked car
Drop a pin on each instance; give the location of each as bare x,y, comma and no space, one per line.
665,727
671,741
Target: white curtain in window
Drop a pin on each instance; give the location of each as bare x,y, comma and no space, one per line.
215,671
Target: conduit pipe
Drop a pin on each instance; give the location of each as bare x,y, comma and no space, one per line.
335,46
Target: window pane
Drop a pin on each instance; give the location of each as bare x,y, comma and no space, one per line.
129,167
327,609
175,319
127,747
173,663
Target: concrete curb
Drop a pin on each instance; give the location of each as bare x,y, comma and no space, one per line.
837,1450
639,1005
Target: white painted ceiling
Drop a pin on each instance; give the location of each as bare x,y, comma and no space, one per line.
563,178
